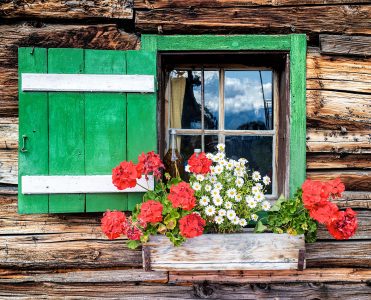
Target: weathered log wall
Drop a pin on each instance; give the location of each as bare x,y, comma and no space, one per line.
66,255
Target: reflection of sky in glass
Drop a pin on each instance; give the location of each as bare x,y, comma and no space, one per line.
244,105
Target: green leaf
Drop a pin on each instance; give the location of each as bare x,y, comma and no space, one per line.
260,227
277,205
133,244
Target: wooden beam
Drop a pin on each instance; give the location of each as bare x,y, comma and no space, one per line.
79,184
338,161
283,276
345,45
110,9
25,34
348,19
88,83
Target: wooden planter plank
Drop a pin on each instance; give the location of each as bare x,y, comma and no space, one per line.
266,251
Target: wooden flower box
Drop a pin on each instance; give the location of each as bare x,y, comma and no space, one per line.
241,251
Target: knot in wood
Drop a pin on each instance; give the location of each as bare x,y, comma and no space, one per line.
203,290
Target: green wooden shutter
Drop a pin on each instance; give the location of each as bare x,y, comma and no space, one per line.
83,133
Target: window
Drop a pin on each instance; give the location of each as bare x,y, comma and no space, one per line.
206,65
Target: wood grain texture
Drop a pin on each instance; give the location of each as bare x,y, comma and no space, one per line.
338,161
50,36
227,252
355,199
262,276
67,9
338,73
348,19
353,180
345,45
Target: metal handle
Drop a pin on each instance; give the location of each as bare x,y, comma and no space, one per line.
24,137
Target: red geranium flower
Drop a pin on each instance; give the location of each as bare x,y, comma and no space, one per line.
315,193
199,163
336,187
323,212
125,175
134,233
150,163
113,224
151,212
343,225
182,195
191,225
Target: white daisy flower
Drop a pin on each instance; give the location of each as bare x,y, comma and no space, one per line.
259,196
232,193
236,163
266,180
220,147
196,186
212,170
223,163
204,200
235,220
228,205
200,177
259,185
218,169
238,173
231,214
187,168
242,161
215,193
254,217
210,210
251,203
230,165
218,201
210,156
239,182
266,206
248,198
255,189
220,155
218,219
208,188
213,179
243,222
238,198
222,212
218,186
256,176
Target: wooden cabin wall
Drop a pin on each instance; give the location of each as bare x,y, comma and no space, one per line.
67,255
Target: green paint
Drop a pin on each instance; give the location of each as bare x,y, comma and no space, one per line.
297,111
215,42
141,114
105,128
66,129
33,122
295,44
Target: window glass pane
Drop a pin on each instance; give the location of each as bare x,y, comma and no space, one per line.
211,93
188,143
210,143
256,149
246,106
185,99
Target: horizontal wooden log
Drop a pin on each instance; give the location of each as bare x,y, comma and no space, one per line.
339,254
349,19
338,73
338,141
353,180
8,166
50,36
121,9
351,291
345,45
360,200
151,4
308,275
333,110
338,161
8,133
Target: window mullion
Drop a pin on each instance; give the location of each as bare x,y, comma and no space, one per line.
202,109
221,137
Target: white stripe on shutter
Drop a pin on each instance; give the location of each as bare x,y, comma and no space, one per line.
87,83
78,184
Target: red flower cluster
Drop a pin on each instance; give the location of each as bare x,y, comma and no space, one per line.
125,175
316,194
182,195
134,233
199,163
191,225
113,224
151,212
343,225
150,163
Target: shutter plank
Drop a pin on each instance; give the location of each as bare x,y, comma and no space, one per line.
66,129
141,113
33,112
105,128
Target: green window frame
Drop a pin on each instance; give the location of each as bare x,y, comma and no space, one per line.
294,44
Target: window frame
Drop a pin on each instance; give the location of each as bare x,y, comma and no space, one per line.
294,45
